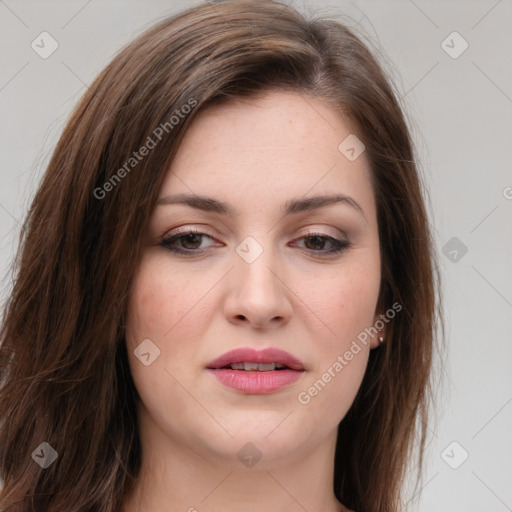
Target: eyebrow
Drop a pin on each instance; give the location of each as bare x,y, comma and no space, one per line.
290,207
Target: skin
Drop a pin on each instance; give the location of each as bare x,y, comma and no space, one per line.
255,155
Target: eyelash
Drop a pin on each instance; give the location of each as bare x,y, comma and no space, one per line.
166,242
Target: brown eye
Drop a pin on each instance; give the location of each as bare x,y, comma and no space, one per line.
191,241
316,243
187,242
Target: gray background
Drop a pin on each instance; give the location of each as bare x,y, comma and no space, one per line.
460,110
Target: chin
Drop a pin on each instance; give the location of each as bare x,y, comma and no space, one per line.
261,436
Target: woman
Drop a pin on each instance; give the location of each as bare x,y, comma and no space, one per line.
226,288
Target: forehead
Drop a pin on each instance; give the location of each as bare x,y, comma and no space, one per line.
267,148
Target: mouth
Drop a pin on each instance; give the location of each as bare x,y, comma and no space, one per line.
249,359
256,371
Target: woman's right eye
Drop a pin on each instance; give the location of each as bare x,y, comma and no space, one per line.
185,242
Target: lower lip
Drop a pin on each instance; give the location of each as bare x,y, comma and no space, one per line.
256,383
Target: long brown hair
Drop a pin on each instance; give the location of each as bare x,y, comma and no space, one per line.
65,377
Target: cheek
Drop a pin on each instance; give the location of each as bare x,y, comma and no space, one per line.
343,304
165,308
346,305
165,302
158,300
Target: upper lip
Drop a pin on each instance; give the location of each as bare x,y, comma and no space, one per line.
250,355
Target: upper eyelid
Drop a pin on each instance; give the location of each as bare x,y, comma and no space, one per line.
204,229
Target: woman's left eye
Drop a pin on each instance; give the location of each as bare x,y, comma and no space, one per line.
317,242
190,242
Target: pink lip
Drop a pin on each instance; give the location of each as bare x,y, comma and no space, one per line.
256,382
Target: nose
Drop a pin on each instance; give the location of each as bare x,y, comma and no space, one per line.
258,294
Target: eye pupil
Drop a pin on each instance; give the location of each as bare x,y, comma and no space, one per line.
317,240
192,238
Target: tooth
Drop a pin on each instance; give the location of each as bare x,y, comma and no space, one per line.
253,367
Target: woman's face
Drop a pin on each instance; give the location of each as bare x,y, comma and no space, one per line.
261,273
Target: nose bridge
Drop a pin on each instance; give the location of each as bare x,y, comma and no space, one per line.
254,268
257,293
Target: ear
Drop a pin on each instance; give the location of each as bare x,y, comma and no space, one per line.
378,330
